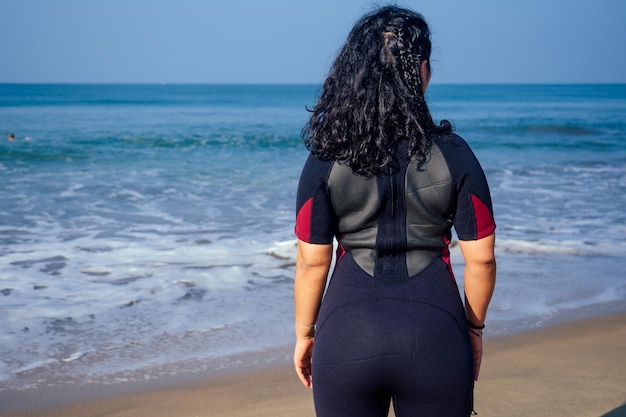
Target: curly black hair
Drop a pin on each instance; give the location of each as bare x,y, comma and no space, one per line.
373,96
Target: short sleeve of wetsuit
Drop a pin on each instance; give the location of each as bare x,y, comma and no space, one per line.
315,216
473,217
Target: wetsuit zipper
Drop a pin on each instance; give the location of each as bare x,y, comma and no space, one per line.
392,191
389,263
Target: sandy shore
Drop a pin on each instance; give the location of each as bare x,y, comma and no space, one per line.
573,369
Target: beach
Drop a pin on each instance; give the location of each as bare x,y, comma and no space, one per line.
146,231
147,248
571,369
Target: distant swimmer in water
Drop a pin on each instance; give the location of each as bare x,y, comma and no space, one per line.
11,136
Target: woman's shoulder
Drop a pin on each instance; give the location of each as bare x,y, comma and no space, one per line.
450,140
317,167
317,161
456,151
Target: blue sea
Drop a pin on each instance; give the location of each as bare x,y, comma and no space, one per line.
147,230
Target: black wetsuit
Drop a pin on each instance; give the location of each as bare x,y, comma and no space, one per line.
392,324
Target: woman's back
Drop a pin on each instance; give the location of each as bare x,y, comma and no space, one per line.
395,223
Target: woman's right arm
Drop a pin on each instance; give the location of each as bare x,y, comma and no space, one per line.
479,281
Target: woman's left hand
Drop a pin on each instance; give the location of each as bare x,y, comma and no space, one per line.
302,355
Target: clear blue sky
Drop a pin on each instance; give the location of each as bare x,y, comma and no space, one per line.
294,41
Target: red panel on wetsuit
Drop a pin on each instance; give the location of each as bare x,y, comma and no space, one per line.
445,256
484,219
303,221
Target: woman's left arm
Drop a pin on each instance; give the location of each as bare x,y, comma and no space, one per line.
312,266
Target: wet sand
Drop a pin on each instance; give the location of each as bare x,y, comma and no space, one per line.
573,369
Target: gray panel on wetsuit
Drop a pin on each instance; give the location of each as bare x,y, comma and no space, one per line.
428,197
428,193
355,199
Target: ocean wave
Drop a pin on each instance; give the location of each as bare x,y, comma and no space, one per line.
554,247
42,154
537,130
155,95
566,130
519,141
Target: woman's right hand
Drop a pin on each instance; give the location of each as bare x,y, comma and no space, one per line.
476,340
302,356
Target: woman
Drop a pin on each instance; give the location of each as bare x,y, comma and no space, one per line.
389,185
